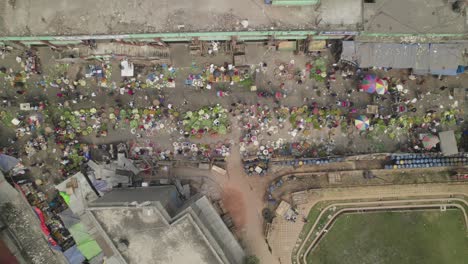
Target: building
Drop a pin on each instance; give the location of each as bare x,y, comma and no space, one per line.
144,225
153,224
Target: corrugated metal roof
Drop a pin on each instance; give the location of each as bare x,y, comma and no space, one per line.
391,55
167,195
422,58
445,56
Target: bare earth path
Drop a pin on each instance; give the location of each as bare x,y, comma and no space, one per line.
245,201
242,196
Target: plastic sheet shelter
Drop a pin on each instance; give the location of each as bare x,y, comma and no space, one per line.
448,143
85,243
73,255
7,162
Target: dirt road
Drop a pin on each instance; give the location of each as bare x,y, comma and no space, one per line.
242,196
245,202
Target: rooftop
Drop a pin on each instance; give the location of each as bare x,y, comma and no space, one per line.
412,16
67,17
422,58
167,195
151,239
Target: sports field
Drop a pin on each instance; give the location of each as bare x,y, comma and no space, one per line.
414,237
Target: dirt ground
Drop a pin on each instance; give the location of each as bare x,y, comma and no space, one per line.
243,196
234,202
297,95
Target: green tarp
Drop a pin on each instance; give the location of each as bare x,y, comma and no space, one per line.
86,244
65,197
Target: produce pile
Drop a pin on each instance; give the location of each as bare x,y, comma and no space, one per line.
88,121
318,70
211,120
314,117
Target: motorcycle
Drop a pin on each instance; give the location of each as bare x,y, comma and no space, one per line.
400,109
344,103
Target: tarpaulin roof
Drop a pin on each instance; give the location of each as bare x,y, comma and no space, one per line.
86,244
448,143
423,58
349,51
68,218
73,255
7,162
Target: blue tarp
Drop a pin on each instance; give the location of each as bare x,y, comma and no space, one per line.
73,255
68,218
7,162
450,72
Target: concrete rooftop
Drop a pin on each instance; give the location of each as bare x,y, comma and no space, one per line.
413,16
86,17
151,239
68,17
166,195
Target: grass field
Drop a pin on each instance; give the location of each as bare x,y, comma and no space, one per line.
395,237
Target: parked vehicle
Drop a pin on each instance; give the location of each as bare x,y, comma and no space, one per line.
400,109
344,103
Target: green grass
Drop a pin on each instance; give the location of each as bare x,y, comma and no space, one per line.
395,237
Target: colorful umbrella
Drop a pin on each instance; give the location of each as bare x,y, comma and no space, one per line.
362,122
381,86
430,141
368,84
372,84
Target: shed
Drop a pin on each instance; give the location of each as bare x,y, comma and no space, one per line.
448,143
